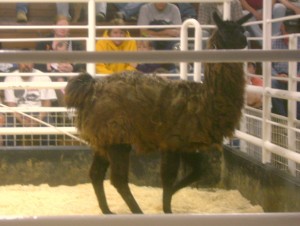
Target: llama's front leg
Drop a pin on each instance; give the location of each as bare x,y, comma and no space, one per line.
169,169
119,160
97,175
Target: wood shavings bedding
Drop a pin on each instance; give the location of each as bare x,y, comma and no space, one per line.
43,200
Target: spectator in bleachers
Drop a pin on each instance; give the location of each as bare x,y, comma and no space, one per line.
64,9
27,98
21,12
51,45
160,13
59,67
5,67
115,45
60,46
281,69
205,11
128,11
187,11
255,7
292,5
253,99
145,45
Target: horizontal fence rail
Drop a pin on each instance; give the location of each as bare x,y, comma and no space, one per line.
108,1
153,56
274,219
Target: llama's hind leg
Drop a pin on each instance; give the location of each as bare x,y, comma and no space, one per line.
191,160
119,160
204,168
169,169
97,175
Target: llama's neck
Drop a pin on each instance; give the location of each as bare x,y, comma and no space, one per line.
225,85
226,78
225,81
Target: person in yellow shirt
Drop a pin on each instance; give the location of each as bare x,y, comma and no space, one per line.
115,45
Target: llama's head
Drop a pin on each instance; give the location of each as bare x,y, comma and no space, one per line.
229,34
79,90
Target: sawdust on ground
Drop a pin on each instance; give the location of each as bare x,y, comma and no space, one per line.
43,200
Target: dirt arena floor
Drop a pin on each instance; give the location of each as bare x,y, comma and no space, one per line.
18,200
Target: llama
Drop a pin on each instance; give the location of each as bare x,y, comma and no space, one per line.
147,113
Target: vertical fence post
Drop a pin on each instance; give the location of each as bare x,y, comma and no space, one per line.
184,47
226,9
266,127
90,45
292,109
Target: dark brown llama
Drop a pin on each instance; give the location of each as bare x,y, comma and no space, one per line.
181,119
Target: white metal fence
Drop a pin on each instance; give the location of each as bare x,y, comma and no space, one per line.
267,137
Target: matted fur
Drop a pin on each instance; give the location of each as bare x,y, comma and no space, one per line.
153,113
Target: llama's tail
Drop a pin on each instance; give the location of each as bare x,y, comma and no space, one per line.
79,90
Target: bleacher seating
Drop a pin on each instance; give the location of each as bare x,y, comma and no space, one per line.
39,14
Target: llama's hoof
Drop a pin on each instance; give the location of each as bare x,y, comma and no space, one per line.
108,212
138,212
167,210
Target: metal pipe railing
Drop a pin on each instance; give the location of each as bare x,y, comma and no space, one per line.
184,47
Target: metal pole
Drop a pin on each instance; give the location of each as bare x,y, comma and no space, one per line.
266,127
90,45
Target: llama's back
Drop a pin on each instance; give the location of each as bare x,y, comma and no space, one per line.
146,111
124,103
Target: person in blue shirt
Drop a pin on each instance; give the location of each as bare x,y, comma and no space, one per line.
281,69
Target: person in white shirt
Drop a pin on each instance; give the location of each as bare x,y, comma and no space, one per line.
29,97
161,13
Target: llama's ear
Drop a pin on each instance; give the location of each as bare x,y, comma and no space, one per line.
219,22
244,19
